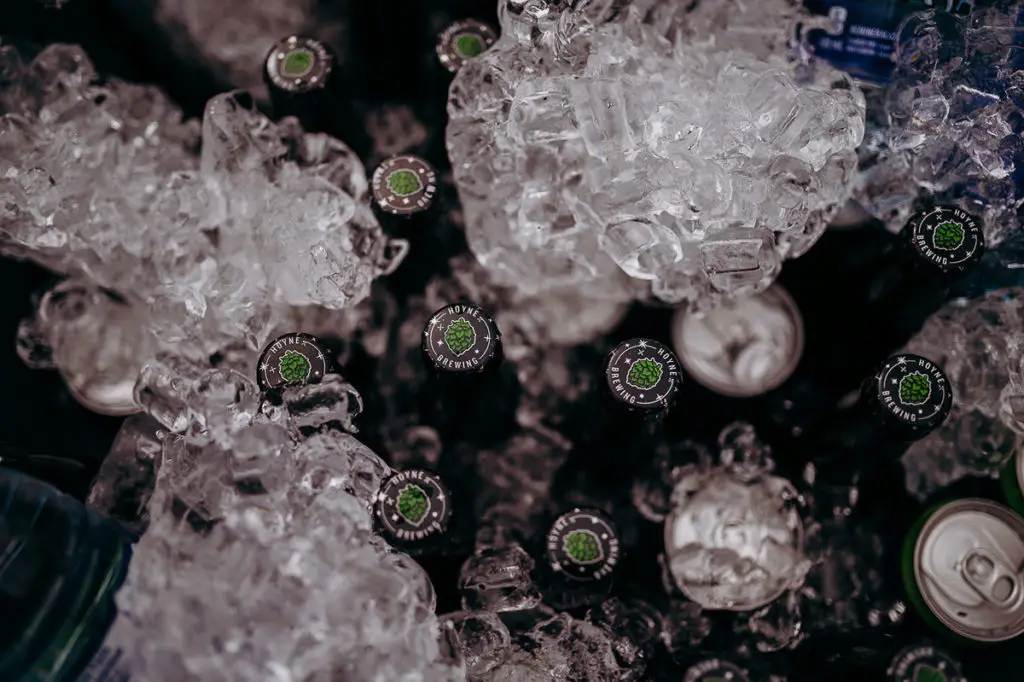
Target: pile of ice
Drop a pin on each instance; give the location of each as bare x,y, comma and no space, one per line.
590,150
168,248
259,562
951,121
980,345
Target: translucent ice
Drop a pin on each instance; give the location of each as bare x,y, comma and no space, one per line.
951,122
259,562
171,251
591,151
734,539
980,346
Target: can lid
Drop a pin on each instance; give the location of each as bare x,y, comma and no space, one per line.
583,545
293,359
461,338
464,40
404,185
716,670
412,506
298,65
966,569
744,347
642,374
912,392
946,238
924,663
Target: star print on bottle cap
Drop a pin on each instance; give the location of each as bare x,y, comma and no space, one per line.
404,185
583,544
298,65
462,41
913,391
947,238
924,663
716,670
643,374
292,360
412,506
461,337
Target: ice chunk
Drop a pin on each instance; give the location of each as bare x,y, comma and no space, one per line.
172,252
584,142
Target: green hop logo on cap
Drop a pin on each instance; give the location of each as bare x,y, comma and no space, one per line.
948,236
459,337
644,374
412,504
583,546
404,182
469,45
294,367
297,62
915,389
926,673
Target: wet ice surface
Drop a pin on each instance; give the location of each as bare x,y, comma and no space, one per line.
949,125
591,151
202,253
259,562
734,538
978,343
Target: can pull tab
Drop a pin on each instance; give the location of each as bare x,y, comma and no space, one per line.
996,582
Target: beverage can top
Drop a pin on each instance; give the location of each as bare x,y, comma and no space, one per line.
966,567
412,506
642,374
464,40
742,348
912,391
292,359
924,663
298,65
583,545
716,670
461,337
947,239
404,185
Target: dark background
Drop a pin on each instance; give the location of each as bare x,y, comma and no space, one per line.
844,338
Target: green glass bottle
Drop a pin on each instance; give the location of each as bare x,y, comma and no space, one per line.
60,565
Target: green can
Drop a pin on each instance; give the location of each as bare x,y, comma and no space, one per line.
1012,480
962,570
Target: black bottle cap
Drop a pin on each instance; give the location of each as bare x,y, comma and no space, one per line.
413,507
464,40
911,393
642,375
716,670
292,360
946,239
920,663
404,185
583,545
461,338
297,65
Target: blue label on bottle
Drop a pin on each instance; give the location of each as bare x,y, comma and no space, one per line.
106,666
863,37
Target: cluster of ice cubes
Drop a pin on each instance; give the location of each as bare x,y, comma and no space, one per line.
169,248
591,150
734,535
949,126
258,560
980,345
